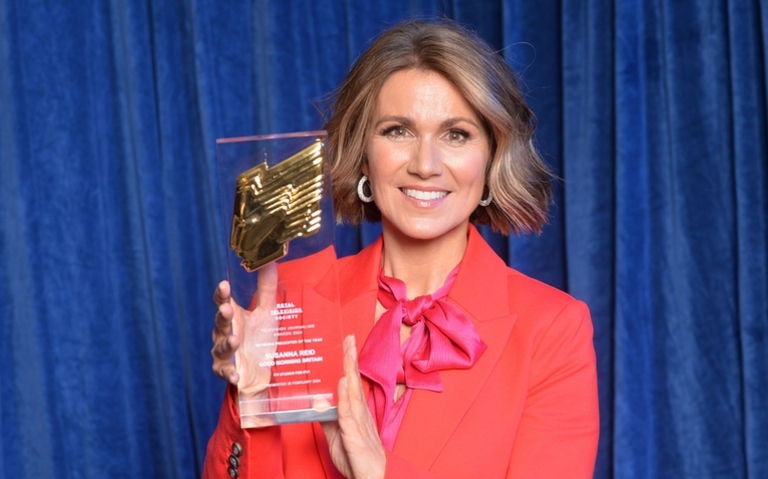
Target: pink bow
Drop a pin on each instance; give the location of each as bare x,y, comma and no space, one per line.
442,337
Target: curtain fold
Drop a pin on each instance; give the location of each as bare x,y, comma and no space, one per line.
747,75
678,342
590,177
652,114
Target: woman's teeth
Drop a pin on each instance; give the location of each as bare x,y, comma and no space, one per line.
424,195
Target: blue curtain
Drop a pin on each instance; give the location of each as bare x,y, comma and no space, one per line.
652,113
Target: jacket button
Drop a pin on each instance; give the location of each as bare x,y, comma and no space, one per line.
234,461
233,472
237,450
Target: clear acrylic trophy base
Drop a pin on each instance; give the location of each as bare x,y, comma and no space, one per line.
276,193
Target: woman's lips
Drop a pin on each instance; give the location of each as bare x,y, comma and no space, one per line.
422,195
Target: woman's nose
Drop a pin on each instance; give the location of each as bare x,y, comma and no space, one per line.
426,159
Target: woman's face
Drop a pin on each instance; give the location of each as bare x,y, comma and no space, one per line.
427,155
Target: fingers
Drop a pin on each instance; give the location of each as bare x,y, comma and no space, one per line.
222,293
346,406
268,286
355,431
224,342
331,430
332,433
224,347
223,320
223,351
232,323
226,371
224,326
352,382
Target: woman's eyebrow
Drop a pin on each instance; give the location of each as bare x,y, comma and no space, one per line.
407,122
403,120
458,119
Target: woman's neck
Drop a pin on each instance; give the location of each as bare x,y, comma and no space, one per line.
423,265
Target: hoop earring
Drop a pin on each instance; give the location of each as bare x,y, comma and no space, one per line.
486,201
361,193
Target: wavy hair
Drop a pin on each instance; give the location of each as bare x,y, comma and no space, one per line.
516,177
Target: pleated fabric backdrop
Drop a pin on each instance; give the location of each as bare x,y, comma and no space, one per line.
653,113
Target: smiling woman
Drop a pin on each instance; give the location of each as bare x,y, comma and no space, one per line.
516,176
426,158
467,368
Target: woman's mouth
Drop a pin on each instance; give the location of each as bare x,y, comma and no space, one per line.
423,195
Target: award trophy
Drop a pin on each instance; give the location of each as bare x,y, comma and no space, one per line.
276,204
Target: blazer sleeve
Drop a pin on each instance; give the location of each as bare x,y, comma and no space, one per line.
558,432
251,453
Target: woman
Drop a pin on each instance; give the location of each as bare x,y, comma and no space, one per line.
466,368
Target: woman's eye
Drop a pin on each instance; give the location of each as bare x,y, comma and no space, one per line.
396,131
458,135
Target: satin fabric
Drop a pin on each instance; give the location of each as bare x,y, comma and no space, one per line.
442,337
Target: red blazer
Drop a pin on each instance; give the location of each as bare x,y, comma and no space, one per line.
527,409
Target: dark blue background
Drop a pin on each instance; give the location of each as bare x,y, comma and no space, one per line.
653,113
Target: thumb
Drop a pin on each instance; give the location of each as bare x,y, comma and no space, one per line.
268,285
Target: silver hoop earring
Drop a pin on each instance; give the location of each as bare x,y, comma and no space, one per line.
487,201
361,193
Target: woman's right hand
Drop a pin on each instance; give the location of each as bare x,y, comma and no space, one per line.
242,339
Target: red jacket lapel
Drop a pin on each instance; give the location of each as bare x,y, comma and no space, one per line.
481,290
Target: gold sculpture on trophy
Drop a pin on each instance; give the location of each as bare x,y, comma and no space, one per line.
275,205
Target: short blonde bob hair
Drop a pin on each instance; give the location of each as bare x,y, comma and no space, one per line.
517,178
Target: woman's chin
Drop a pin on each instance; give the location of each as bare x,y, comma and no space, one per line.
425,230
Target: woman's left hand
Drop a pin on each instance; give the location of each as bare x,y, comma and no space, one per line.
353,441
